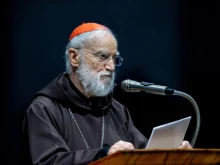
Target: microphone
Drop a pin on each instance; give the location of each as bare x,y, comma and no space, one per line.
134,86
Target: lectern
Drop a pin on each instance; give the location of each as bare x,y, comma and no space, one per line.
162,157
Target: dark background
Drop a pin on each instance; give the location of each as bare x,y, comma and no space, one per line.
167,42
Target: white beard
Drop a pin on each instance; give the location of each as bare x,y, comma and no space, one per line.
92,81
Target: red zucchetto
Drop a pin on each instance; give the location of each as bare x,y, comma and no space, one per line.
86,27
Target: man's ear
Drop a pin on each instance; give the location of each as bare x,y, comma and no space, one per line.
74,57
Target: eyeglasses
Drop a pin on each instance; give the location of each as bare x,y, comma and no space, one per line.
104,56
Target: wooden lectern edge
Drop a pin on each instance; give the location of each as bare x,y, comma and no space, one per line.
175,149
121,153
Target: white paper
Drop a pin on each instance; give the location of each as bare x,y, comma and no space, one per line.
168,135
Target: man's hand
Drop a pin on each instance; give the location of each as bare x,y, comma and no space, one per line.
120,146
185,145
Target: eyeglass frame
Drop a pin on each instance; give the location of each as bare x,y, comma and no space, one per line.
107,59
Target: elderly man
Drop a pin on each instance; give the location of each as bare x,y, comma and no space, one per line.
74,119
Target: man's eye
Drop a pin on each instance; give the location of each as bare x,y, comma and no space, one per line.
103,56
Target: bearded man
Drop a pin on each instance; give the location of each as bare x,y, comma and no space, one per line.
74,119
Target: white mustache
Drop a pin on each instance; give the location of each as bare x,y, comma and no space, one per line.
107,74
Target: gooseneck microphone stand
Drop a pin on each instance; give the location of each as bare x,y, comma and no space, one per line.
196,108
134,86
168,91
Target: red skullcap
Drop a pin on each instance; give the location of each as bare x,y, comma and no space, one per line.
86,27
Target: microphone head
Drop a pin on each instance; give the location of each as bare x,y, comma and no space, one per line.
130,86
124,85
134,86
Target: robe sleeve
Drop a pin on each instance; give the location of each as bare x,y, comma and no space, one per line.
133,134
43,143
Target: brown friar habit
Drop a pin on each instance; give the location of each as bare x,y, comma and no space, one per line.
50,135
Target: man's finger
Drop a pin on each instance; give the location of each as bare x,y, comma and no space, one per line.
184,145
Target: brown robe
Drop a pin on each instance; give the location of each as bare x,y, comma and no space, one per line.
50,135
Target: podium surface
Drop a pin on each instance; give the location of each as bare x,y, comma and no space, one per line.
162,157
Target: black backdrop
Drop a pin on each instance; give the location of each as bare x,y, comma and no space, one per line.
172,42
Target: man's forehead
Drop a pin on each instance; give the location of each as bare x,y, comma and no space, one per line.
103,43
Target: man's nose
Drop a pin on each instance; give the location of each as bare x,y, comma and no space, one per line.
110,65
